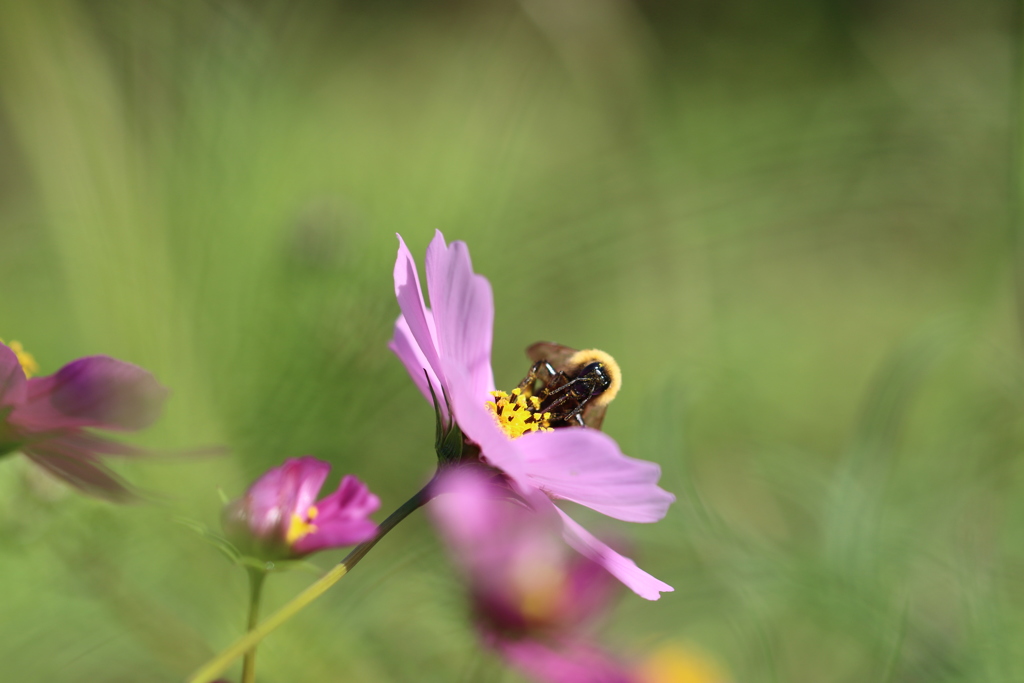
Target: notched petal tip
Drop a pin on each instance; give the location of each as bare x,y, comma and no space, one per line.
619,566
353,497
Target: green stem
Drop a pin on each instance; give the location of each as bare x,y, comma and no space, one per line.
256,578
218,664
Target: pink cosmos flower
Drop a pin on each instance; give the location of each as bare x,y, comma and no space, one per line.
48,418
280,518
447,351
531,597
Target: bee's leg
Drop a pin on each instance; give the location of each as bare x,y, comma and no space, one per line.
530,378
530,381
562,398
549,403
540,372
549,369
576,414
563,383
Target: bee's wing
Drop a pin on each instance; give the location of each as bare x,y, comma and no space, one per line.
556,354
593,415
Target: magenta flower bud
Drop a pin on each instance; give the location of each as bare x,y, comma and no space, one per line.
280,518
47,418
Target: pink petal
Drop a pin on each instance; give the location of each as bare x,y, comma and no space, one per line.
342,518
507,550
464,508
416,315
463,309
590,590
12,378
284,491
80,469
352,500
622,568
478,423
486,529
408,351
92,443
587,467
96,391
336,534
561,662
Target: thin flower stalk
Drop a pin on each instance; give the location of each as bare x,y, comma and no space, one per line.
216,666
257,577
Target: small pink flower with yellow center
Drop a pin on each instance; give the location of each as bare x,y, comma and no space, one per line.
447,351
49,418
280,518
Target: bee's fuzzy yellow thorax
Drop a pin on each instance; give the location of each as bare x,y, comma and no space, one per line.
581,358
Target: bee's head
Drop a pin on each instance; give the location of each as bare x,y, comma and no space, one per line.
581,362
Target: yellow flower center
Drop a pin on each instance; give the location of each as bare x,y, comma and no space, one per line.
28,362
518,414
300,527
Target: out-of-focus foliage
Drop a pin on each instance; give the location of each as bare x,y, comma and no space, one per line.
789,221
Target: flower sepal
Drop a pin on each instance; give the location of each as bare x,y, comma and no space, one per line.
241,545
449,441
8,445
451,447
237,557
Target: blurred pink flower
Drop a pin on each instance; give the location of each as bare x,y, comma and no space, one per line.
47,418
675,662
279,516
449,346
531,598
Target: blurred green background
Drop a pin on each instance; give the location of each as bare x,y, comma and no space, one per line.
790,221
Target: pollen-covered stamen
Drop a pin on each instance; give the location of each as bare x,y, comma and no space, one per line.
28,362
300,527
518,414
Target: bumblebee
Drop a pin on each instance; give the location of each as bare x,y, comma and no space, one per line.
575,387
